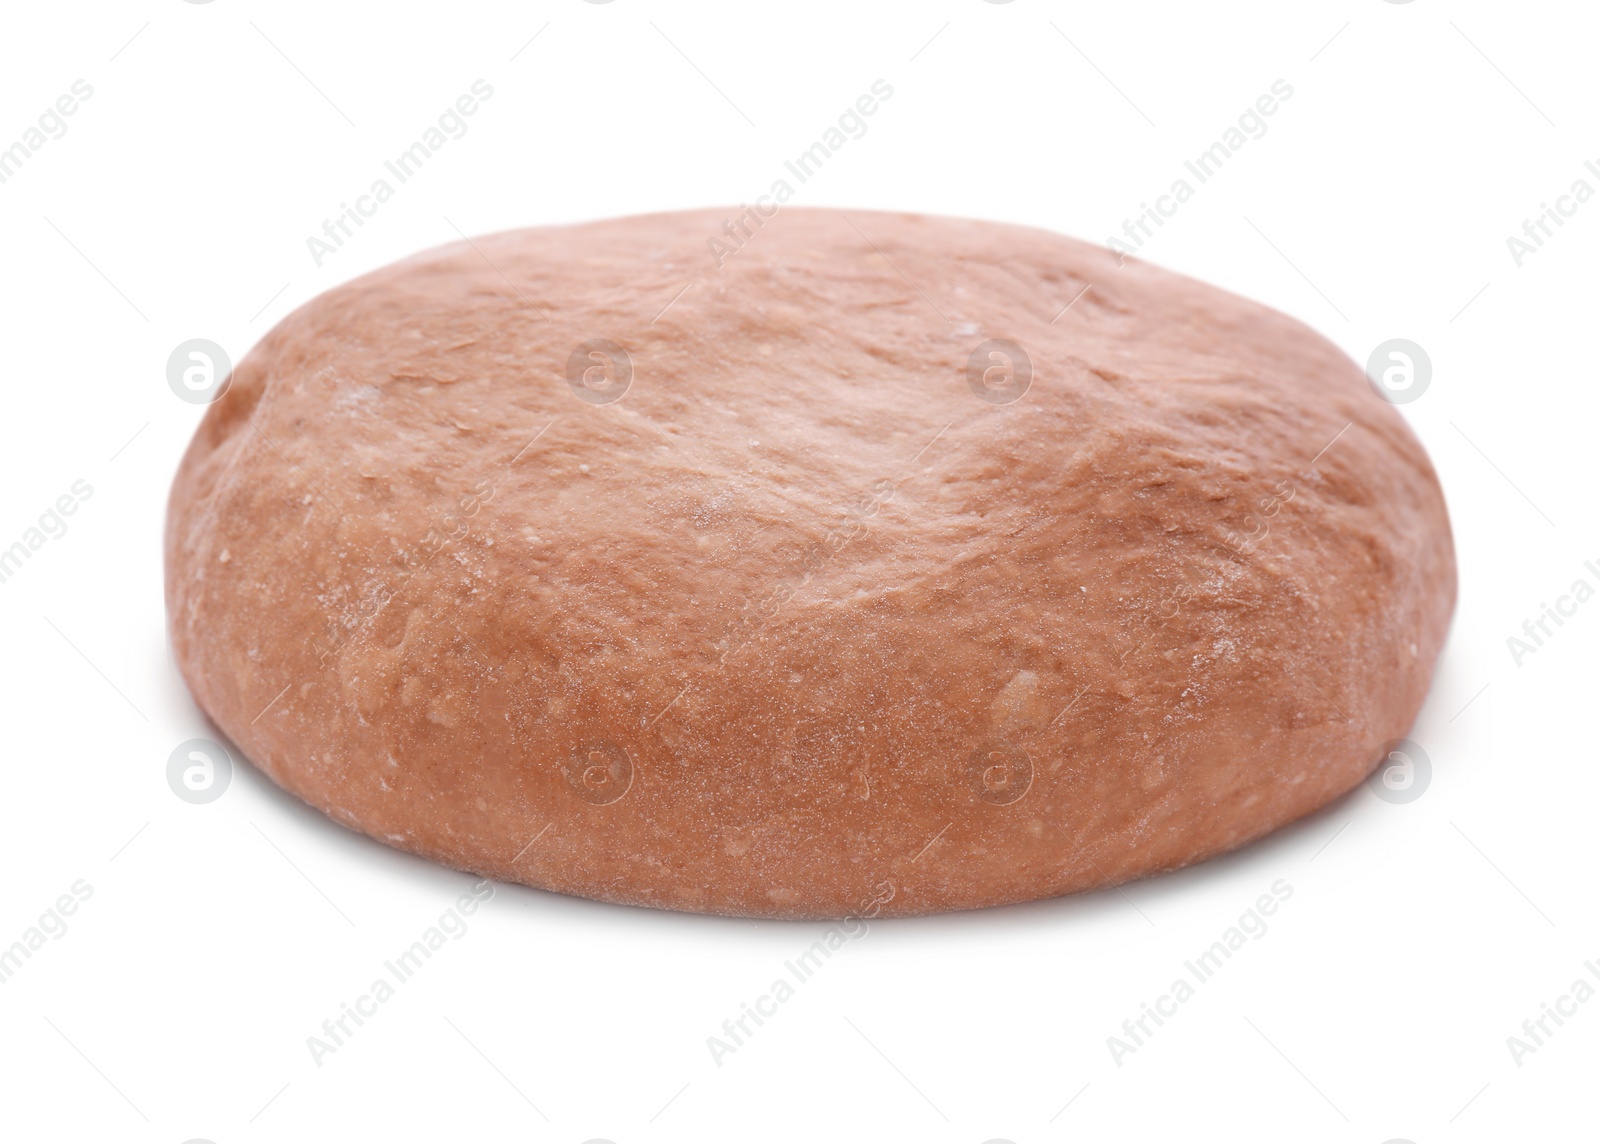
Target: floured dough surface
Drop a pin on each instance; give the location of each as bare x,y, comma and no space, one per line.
570,558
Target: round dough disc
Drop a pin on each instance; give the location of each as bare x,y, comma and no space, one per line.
822,564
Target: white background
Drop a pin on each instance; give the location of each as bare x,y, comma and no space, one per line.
219,937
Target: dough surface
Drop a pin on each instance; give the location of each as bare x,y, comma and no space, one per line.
794,607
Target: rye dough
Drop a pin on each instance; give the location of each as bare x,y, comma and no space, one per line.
897,564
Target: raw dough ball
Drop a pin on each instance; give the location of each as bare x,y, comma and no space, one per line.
850,576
